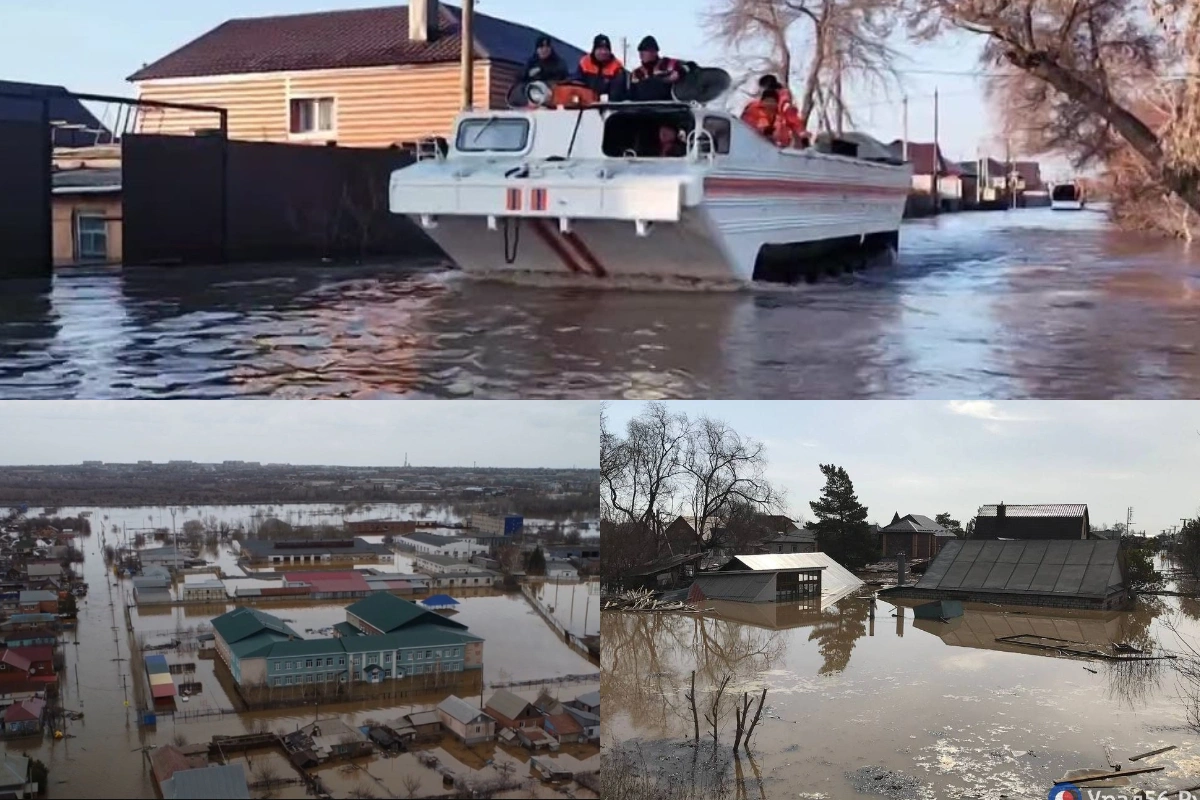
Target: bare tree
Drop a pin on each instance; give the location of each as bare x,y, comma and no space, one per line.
725,471
179,739
412,785
264,773
846,42
713,714
1090,62
639,473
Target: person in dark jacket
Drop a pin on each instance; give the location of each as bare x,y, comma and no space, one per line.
545,65
653,79
601,71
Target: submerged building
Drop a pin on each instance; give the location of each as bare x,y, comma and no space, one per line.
290,552
776,578
1047,521
1068,574
384,638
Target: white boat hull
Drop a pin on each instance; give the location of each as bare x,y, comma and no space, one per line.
1066,205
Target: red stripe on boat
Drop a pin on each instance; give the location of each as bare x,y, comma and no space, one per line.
597,268
514,200
777,186
550,237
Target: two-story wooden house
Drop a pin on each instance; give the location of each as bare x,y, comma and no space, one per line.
360,78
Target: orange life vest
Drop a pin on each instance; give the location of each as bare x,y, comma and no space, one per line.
784,127
609,69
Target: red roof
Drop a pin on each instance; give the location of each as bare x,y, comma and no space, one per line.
25,711
347,581
364,37
923,155
564,724
162,690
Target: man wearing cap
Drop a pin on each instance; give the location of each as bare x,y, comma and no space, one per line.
654,78
601,71
545,65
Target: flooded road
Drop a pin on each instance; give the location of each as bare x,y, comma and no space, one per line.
942,710
1027,303
102,755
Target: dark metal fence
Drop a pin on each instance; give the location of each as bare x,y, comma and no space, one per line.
26,246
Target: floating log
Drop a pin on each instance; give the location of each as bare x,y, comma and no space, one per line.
1105,776
1160,751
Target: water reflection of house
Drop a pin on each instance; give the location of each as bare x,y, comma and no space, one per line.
980,628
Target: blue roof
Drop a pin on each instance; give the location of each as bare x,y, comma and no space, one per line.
438,600
216,782
64,108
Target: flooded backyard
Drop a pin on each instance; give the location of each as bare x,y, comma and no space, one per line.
894,707
98,680
1027,303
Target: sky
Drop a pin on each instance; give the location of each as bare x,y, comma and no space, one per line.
916,457
92,47
493,433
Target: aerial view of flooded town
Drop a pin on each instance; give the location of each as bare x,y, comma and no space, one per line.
916,601
244,628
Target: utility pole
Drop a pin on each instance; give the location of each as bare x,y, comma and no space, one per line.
624,50
468,55
937,159
1129,521
175,537
841,106
904,143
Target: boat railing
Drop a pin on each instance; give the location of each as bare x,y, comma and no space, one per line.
430,148
701,144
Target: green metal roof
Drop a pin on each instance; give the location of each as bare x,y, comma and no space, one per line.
241,623
346,629
305,647
418,636
256,645
389,613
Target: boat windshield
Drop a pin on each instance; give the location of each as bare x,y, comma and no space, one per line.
648,133
492,135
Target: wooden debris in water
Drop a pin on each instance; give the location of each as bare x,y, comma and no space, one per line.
1160,751
1106,775
645,600
1068,647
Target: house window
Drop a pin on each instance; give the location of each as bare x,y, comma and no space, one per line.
92,233
312,115
289,665
308,664
342,661
429,654
308,678
278,666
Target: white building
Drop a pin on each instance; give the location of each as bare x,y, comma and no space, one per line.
437,564
562,570
431,544
204,591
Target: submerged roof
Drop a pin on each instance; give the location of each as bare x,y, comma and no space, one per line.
1051,521
1086,568
914,523
741,586
362,37
242,623
215,782
835,579
387,613
1040,510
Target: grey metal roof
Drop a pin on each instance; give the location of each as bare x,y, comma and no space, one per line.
1043,510
445,561
89,180
741,586
799,536
1085,568
589,699
424,718
507,703
913,523
460,709
431,539
219,782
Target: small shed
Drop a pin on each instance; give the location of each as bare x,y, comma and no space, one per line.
425,724
440,602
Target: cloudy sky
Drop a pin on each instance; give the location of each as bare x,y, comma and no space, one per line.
927,457
433,433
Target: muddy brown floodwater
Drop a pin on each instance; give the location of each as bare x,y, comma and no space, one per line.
1029,303
102,755
943,710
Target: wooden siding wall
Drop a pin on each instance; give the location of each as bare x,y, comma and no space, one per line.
374,107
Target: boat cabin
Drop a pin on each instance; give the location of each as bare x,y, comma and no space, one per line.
602,130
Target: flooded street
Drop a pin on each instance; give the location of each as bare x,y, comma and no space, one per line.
1014,304
108,741
941,709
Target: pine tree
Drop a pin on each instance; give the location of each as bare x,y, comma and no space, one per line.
537,562
841,525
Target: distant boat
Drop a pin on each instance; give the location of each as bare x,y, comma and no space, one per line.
1067,197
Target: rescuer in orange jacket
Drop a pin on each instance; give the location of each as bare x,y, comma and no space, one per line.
782,125
653,79
601,71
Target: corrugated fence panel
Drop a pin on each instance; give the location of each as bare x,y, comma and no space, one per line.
25,222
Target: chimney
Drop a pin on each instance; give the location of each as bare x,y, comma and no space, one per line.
1000,511
422,20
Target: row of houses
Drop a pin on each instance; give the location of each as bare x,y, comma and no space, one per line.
941,185
313,552
544,722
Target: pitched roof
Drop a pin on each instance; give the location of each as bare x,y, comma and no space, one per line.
431,539
1089,568
589,699
424,718
507,704
364,37
1044,510
913,523
1062,521
168,759
923,156
564,724
215,782
13,658
460,709
242,623
739,586
412,636
25,711
63,108
389,613
14,770
341,581
835,579
37,596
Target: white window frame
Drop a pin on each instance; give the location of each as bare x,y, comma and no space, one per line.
80,216
316,133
